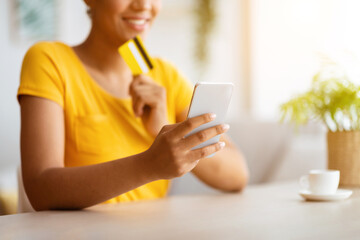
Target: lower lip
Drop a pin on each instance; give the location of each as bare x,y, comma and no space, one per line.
137,27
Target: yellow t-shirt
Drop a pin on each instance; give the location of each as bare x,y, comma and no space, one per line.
98,126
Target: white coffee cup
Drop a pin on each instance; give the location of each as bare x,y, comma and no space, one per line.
322,182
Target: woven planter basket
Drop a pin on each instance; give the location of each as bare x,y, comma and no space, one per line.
344,155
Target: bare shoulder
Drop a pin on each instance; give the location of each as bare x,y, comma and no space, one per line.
38,104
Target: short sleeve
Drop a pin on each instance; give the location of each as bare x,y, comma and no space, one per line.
40,74
183,92
178,87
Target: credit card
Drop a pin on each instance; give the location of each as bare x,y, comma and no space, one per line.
136,56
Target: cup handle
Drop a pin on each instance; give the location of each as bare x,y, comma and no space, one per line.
304,182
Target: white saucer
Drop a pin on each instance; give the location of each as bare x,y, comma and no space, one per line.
339,195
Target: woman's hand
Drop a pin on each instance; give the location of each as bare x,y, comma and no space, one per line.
171,155
149,103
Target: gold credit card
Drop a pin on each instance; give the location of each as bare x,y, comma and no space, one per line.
136,57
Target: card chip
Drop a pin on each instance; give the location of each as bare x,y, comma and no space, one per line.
135,56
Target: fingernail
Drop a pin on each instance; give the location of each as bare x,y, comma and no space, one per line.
212,116
222,145
225,126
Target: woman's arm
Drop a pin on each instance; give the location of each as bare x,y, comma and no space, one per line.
50,185
227,170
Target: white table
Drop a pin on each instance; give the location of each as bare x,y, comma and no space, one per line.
273,211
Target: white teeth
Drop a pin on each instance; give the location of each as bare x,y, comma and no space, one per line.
137,21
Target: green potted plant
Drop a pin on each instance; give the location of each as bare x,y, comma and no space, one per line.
334,101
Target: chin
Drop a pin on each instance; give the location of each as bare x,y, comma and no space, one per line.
132,35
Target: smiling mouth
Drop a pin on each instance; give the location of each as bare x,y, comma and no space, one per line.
137,22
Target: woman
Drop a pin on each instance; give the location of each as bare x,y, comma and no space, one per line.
91,132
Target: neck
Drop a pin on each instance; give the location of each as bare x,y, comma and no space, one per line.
101,53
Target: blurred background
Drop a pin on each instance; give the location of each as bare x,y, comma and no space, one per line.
270,50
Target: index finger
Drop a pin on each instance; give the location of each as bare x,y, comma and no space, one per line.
191,123
137,81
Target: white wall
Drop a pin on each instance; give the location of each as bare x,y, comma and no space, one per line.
288,37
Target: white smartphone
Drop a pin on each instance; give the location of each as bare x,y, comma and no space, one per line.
210,97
